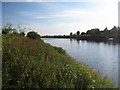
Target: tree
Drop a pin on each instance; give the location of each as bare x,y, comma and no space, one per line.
7,29
114,32
114,28
118,28
33,35
106,29
88,32
78,32
71,34
93,32
83,33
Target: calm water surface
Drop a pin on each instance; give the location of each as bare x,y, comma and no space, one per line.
99,55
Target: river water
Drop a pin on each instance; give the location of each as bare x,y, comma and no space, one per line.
103,56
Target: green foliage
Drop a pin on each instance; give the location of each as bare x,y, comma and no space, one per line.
78,33
93,32
8,29
29,63
60,50
83,33
33,35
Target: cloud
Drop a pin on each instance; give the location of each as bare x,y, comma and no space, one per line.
42,17
107,10
64,14
30,0
71,14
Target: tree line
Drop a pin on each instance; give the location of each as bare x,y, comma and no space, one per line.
96,34
92,34
9,29
115,31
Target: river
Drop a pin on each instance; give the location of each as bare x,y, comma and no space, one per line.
103,56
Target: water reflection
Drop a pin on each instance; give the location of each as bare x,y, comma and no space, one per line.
91,41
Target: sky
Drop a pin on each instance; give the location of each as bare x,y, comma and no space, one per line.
59,18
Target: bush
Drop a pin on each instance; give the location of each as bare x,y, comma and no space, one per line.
60,50
8,29
33,35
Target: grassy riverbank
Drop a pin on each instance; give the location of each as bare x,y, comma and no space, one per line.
30,63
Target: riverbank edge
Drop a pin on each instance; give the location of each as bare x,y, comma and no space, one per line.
69,65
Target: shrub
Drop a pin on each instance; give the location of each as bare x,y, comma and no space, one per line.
8,29
60,50
33,35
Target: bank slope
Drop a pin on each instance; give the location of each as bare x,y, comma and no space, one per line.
29,63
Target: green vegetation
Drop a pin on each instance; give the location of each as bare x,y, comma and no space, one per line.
33,35
31,63
78,33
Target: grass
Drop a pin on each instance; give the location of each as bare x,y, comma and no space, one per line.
29,63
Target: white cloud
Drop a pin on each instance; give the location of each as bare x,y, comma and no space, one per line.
71,14
29,0
42,17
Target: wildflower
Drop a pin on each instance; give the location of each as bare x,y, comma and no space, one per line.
94,81
93,70
93,88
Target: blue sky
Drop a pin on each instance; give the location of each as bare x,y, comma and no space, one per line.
33,12
60,17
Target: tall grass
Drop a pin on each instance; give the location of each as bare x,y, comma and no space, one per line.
29,63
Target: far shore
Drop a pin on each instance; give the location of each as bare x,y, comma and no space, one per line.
84,37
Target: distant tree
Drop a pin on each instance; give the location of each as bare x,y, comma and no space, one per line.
114,28
113,32
106,29
78,33
88,32
118,28
93,32
83,33
33,35
71,34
